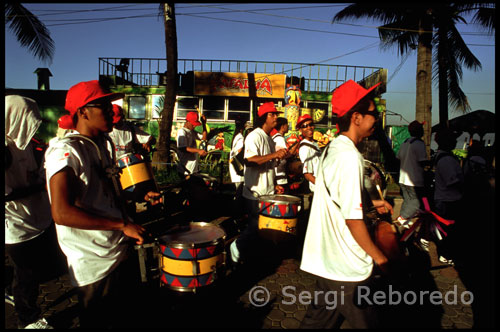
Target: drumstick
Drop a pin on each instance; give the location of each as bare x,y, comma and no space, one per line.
381,197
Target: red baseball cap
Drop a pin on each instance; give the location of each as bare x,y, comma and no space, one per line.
192,117
303,118
347,95
117,113
80,95
267,108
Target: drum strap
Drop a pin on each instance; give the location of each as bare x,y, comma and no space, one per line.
112,172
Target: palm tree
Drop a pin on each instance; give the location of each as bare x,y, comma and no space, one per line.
405,24
29,31
408,28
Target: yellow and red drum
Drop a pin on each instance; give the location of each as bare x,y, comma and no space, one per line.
278,216
137,177
192,258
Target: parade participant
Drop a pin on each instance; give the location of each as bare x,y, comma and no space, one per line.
127,137
308,150
28,222
259,175
278,136
413,158
338,248
186,144
92,229
448,192
236,147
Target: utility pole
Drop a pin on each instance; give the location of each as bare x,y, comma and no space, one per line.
165,124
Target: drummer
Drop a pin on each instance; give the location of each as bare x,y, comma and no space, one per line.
187,150
127,137
259,173
308,149
93,232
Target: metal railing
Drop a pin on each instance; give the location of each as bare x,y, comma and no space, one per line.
312,77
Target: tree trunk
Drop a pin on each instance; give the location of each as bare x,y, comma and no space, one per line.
423,107
165,123
443,78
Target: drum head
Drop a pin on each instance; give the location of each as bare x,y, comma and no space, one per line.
280,199
199,234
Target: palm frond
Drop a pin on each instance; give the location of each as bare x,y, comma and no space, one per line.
29,31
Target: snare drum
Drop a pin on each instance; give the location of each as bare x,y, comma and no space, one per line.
137,177
278,215
192,258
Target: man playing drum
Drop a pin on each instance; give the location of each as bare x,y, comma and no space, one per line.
127,137
188,152
92,229
259,174
338,249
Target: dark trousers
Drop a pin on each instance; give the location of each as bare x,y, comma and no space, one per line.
412,200
322,314
451,211
109,302
250,235
32,260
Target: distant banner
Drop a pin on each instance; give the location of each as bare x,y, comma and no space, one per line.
237,84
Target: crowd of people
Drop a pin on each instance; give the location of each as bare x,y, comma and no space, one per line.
70,202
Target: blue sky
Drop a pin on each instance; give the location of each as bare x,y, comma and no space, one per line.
297,32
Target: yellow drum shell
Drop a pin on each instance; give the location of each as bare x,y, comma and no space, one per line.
135,174
185,267
283,225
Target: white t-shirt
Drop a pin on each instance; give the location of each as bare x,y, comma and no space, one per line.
27,217
411,172
259,180
447,175
309,156
330,251
280,170
91,254
122,136
187,138
237,145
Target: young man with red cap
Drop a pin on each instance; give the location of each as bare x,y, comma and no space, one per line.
308,150
413,158
92,228
259,174
338,248
187,150
127,137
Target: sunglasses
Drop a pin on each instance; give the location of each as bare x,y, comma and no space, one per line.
104,107
310,124
374,113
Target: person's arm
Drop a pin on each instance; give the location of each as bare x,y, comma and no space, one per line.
201,152
204,134
65,211
359,232
259,160
382,206
309,177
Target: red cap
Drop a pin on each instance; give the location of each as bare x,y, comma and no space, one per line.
347,95
273,132
192,117
80,95
117,113
267,108
303,118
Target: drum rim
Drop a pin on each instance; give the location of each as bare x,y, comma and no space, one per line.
183,245
264,199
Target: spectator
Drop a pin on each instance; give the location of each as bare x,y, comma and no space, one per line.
338,248
92,229
236,147
186,144
127,137
278,136
413,158
29,231
259,177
